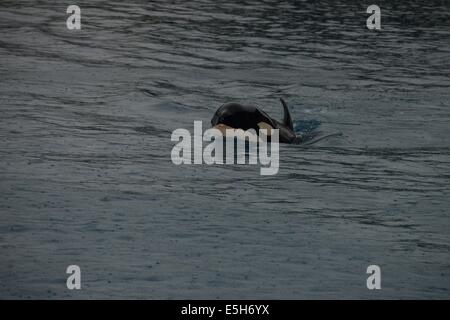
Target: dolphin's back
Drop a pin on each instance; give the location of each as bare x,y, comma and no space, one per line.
241,116
246,117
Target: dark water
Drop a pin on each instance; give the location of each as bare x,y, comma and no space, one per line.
85,170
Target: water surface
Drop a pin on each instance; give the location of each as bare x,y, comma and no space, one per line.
86,176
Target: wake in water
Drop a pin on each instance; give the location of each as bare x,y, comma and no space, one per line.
307,129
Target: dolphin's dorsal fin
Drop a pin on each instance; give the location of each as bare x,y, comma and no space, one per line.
287,120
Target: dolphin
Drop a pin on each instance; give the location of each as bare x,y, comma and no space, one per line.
245,117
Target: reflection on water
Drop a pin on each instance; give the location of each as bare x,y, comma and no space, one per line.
85,169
